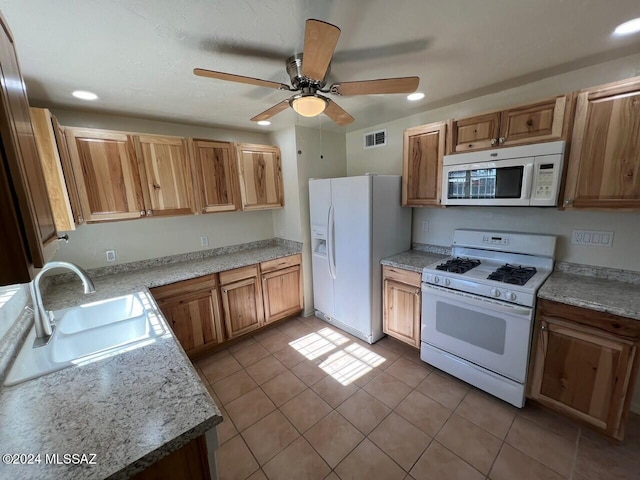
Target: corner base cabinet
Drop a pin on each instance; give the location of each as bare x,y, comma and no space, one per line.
401,305
585,364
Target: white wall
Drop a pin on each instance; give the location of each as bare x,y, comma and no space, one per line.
141,239
442,222
286,221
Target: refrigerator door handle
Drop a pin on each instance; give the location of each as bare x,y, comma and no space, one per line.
330,252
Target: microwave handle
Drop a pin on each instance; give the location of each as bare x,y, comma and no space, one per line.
527,180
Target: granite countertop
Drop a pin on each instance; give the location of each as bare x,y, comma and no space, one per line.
130,409
600,294
414,260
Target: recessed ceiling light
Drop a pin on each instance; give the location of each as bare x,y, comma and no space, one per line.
84,95
415,96
627,28
264,123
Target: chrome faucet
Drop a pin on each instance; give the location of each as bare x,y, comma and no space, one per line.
43,318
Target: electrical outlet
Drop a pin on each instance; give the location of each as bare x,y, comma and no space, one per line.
111,255
282,233
425,226
204,241
592,238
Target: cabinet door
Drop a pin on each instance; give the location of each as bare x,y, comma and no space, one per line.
52,169
25,205
604,163
242,305
195,320
165,168
106,173
282,291
582,372
475,133
538,122
424,148
215,174
401,305
260,177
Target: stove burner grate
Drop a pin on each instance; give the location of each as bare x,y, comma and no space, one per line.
458,265
513,274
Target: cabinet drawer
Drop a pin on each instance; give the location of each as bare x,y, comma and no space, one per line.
208,282
238,274
403,276
279,263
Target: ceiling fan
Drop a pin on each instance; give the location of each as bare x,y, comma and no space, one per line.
308,70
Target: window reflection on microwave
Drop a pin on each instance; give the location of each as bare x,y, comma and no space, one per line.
485,183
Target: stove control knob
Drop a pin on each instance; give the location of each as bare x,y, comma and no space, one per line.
495,292
510,296
447,282
436,279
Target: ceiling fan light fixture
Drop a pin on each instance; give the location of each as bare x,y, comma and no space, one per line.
627,28
264,123
414,97
309,105
84,95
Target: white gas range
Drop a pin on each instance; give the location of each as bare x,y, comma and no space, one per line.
478,308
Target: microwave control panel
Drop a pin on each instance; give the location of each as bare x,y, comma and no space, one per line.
546,180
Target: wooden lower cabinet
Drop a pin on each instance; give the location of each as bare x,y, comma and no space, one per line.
241,300
189,462
401,305
282,287
584,365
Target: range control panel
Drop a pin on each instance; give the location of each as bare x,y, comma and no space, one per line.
495,239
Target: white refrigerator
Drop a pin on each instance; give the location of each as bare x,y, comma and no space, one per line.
355,222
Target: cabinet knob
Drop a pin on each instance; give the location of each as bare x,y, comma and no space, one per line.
64,237
156,186
501,140
493,141
149,212
142,213
569,202
543,327
81,219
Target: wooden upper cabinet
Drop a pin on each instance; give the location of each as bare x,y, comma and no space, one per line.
543,121
604,162
424,148
165,169
475,133
106,174
260,172
215,177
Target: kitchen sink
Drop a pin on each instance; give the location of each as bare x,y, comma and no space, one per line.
88,333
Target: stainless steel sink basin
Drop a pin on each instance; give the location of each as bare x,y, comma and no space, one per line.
87,333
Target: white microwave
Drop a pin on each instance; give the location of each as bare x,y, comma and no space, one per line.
529,175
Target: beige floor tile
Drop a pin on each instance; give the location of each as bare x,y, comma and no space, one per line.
333,392
258,475
545,446
289,357
444,389
438,463
305,410
423,412
389,390
265,369
275,342
251,354
413,354
225,430
332,476
233,386
333,438
396,346
234,460
368,462
242,344
269,436
553,421
298,461
403,442
266,333
214,397
202,376
513,464
387,355
219,366
314,322
249,408
408,372
283,388
490,413
364,411
309,372
295,329
471,443
365,378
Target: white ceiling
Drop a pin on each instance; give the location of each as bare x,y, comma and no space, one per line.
138,55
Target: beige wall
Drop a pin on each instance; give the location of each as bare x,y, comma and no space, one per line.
442,222
286,221
155,237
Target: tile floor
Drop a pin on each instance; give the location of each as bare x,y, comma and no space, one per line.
308,401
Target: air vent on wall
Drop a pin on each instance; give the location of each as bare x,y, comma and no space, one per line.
375,139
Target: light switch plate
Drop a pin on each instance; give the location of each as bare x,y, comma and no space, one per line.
425,226
204,241
592,238
111,255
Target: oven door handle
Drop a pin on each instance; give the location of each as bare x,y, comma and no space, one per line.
476,301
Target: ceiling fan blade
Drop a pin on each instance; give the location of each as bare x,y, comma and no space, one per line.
270,112
373,87
337,114
229,77
320,40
